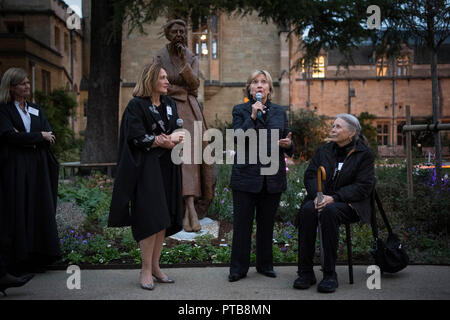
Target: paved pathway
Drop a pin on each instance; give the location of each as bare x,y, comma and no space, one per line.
210,283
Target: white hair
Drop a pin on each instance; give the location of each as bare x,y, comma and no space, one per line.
353,125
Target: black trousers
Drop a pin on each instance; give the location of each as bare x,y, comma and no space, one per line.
244,205
2,267
330,217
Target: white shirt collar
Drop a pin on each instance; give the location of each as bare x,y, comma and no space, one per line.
16,103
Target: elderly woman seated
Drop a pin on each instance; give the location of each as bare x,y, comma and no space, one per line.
350,178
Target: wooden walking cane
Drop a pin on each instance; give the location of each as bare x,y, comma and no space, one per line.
321,176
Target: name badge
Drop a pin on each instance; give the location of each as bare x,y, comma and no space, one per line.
33,111
340,164
169,110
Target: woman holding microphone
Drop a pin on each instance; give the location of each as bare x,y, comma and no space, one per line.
253,191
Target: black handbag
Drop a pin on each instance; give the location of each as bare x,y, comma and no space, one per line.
389,255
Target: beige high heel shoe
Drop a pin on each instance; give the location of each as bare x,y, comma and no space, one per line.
164,280
147,286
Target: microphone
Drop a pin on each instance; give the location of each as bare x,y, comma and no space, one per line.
258,97
180,123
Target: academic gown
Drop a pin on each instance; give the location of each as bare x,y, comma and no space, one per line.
147,188
29,180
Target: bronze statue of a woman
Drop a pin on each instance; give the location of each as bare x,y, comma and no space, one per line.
182,69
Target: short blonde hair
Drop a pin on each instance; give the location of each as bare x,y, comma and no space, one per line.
252,76
147,80
12,77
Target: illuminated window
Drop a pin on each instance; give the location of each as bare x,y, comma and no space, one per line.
205,42
214,48
382,67
318,67
402,65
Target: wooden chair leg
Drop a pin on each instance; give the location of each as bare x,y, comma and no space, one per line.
349,251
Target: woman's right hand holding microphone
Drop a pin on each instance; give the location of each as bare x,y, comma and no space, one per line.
255,107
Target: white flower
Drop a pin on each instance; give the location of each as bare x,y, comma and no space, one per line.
108,246
286,245
223,245
164,243
284,204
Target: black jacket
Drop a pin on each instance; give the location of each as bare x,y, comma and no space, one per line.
29,179
353,184
138,168
247,177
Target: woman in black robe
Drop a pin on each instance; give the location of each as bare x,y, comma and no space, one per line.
29,177
146,176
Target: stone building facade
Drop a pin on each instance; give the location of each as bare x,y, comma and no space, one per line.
34,36
230,47
382,87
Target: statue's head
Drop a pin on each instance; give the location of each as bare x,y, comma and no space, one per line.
176,31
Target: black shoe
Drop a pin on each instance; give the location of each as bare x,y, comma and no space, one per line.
235,277
267,273
328,284
9,281
305,280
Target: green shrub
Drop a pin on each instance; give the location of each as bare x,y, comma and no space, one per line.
92,198
59,106
369,131
308,131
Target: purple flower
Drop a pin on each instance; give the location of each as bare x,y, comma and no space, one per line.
84,242
222,202
88,235
283,249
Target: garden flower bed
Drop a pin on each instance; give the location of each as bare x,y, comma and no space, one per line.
86,240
